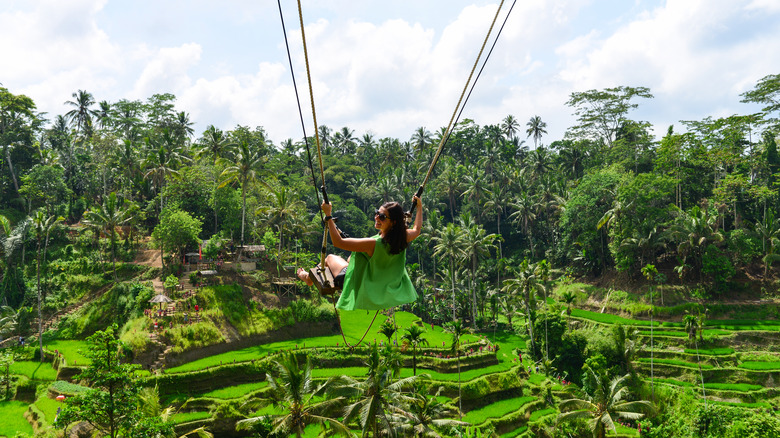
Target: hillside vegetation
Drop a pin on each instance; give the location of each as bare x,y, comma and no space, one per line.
604,283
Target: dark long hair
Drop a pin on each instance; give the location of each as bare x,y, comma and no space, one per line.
395,237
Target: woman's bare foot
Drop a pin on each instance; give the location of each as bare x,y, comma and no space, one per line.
304,276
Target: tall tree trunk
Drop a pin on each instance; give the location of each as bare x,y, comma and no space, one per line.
11,169
40,314
243,210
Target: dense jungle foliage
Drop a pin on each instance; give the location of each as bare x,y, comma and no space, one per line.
512,220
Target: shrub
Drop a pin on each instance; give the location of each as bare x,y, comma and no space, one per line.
743,247
719,268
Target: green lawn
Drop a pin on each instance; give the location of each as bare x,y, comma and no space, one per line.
515,433
34,370
739,387
676,362
541,413
231,392
607,318
71,350
760,366
13,421
354,324
48,407
185,417
662,333
497,409
744,324
764,405
465,376
711,351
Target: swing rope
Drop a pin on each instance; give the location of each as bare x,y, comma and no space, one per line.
460,99
319,155
448,132
459,108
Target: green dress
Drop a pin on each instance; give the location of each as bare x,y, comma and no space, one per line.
376,282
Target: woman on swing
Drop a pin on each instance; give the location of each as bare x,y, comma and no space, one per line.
375,275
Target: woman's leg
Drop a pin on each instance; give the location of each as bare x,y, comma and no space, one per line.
304,276
335,263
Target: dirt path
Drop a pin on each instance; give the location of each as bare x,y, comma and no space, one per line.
148,257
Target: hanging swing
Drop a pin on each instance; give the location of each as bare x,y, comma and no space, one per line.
322,278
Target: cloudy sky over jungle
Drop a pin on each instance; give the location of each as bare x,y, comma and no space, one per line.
390,66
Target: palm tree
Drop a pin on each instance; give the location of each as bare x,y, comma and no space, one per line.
127,159
691,325
625,346
107,218
457,330
413,337
103,114
344,140
366,153
525,208
769,232
425,415
614,214
568,297
450,244
214,144
8,320
325,139
476,245
694,231
536,129
451,182
182,126
604,405
297,393
421,139
281,213
244,169
475,188
388,329
510,126
43,225
12,239
161,162
525,285
81,114
377,397
539,163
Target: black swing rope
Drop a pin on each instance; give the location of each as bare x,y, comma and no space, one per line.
448,132
311,165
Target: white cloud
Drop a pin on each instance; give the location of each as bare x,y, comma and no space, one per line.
167,71
695,55
378,67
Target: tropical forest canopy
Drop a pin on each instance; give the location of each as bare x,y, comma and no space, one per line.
700,202
507,211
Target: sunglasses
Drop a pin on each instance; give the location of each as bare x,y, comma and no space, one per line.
381,215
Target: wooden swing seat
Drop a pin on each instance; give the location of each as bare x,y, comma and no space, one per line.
323,280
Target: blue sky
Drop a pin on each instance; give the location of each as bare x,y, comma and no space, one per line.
389,67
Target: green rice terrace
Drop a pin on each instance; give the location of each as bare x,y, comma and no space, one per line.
209,370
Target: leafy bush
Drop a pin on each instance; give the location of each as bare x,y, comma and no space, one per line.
303,311
187,337
719,268
118,305
743,246
63,387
